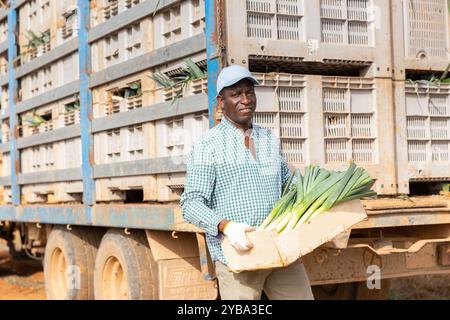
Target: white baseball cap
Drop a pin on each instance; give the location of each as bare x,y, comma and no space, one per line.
233,74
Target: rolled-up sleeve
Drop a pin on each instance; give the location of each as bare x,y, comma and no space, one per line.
199,187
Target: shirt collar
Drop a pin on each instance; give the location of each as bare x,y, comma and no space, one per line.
228,124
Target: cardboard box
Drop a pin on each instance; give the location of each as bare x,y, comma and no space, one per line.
271,250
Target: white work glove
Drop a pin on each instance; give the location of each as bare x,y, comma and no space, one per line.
235,232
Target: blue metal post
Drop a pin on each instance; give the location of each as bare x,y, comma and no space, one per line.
13,98
213,54
213,60
87,152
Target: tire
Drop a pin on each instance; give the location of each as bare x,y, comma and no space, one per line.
16,255
335,291
4,254
363,293
125,268
65,248
351,291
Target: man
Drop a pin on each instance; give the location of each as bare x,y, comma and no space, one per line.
235,174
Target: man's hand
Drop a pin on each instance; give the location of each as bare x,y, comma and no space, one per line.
236,234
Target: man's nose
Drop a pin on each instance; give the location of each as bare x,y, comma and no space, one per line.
245,99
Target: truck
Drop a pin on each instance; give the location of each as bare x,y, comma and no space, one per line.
97,126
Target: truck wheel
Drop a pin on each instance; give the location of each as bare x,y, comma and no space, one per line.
69,263
351,291
125,268
364,293
16,255
335,291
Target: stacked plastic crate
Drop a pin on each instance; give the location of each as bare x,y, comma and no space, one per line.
142,129
325,73
48,105
4,105
334,87
422,94
352,33
4,52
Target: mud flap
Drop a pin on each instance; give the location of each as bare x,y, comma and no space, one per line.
179,267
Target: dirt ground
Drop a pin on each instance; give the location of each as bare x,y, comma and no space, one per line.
24,280
21,280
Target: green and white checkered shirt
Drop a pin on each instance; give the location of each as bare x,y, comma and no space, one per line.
224,180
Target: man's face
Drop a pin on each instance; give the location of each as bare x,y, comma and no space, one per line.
239,102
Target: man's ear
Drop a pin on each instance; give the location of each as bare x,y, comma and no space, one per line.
219,102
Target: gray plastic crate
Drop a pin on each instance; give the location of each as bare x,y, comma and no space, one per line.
331,121
51,76
423,132
57,18
104,10
421,35
125,44
3,30
181,21
342,32
6,165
